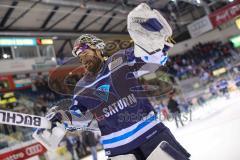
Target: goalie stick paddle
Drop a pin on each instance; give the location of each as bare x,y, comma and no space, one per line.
25,120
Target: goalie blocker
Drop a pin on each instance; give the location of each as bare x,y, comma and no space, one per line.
163,151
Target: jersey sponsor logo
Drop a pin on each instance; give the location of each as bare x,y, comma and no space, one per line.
102,92
119,105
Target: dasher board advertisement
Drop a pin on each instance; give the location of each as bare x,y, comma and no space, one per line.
199,27
24,152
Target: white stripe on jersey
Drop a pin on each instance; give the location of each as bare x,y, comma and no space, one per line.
130,129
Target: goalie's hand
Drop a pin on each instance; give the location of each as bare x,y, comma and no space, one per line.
58,116
51,137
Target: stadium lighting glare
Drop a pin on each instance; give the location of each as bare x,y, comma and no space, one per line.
55,37
230,0
198,1
53,59
5,56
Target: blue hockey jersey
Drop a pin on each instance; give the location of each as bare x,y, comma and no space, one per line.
222,84
115,97
237,79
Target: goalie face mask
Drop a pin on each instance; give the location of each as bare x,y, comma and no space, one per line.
87,41
79,48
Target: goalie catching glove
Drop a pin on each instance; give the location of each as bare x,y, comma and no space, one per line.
151,33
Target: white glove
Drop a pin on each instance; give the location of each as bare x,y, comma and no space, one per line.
51,138
148,29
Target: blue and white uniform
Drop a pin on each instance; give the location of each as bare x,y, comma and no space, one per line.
222,84
237,81
124,114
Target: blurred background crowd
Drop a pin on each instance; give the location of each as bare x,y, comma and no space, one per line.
203,65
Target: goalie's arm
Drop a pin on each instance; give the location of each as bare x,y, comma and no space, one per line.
146,64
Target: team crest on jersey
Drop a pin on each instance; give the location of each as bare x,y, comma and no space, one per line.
102,92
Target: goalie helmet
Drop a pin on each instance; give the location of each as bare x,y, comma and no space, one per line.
86,41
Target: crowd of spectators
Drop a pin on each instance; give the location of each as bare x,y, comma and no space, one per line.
83,144
201,60
40,94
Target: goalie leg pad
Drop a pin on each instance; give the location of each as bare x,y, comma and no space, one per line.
165,151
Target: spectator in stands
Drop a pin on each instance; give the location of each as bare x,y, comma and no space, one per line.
164,110
206,57
40,106
91,142
201,101
174,110
34,87
205,77
81,148
71,146
213,91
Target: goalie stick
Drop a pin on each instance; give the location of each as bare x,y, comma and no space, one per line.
33,121
49,134
51,138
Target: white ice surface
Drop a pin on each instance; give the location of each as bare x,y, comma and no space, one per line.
214,133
